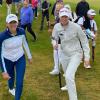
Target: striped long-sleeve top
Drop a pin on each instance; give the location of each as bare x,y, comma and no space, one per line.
11,47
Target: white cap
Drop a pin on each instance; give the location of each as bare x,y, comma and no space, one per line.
11,17
64,12
91,12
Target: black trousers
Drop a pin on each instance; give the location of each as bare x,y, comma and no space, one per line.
29,29
47,18
1,2
35,11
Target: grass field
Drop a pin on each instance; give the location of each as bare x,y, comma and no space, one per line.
38,84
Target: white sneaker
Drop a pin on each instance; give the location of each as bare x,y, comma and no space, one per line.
54,72
64,88
81,61
88,67
0,5
63,75
12,92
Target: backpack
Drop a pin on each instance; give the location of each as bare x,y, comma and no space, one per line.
77,19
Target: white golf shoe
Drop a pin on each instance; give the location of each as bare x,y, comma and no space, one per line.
87,67
12,92
63,75
54,72
64,88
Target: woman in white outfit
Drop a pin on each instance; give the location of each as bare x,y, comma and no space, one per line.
70,35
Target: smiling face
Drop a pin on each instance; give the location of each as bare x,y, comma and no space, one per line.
12,26
64,20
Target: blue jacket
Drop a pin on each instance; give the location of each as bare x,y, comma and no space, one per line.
26,15
5,36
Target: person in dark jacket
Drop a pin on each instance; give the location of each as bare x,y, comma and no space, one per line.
82,8
45,13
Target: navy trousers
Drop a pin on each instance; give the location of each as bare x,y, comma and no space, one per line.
18,67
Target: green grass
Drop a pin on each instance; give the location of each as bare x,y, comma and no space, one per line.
38,84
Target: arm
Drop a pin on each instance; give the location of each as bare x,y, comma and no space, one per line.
47,6
2,63
25,44
31,15
81,22
84,42
95,29
21,13
55,38
1,67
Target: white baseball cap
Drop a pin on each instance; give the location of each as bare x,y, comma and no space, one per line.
64,12
91,12
11,17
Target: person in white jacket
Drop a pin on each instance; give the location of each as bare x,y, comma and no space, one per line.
71,35
13,45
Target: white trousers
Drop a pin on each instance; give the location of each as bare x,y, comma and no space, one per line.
56,57
9,7
70,65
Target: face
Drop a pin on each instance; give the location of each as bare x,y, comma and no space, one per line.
12,26
91,16
64,20
58,7
25,3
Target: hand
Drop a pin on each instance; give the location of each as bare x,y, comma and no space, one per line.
95,36
55,46
43,10
50,30
5,76
30,61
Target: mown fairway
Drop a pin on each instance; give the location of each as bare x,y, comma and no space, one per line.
38,84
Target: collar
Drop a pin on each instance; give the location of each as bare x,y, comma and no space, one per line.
8,31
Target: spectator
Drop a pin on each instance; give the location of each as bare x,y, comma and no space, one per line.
71,36
35,6
12,55
26,18
45,13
